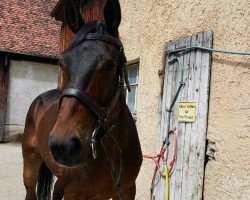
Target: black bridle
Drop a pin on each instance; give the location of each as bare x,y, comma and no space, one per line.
102,113
102,126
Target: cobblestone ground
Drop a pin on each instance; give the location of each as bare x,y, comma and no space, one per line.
11,169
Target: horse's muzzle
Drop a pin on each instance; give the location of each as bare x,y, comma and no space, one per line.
68,152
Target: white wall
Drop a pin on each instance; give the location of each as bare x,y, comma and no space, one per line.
27,80
146,26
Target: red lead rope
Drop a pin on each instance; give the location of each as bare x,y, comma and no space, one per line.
172,162
157,159
160,156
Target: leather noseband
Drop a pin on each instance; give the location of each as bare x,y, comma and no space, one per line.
72,92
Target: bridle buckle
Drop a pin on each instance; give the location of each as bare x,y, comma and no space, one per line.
100,124
93,143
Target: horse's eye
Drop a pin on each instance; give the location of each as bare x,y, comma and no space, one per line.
110,66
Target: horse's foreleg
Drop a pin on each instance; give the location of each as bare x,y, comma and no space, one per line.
58,191
32,164
129,193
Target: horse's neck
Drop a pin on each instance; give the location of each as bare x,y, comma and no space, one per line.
122,113
119,113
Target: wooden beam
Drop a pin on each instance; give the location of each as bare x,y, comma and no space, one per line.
4,83
132,62
29,57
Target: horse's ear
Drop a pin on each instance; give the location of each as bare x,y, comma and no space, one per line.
73,16
112,16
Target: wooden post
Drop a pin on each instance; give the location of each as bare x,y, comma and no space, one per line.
4,82
186,182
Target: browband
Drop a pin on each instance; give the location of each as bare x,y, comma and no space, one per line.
105,38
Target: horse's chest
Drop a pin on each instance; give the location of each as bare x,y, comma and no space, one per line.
82,185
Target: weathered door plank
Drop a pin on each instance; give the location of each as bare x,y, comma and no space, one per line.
177,181
202,120
182,128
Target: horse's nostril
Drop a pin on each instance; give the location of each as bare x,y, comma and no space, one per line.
67,150
74,145
54,147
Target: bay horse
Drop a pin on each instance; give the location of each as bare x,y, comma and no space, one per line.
84,134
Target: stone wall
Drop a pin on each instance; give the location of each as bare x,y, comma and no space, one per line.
146,26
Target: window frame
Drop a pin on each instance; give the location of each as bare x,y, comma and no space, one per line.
133,85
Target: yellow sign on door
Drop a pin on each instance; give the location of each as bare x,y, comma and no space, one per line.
187,112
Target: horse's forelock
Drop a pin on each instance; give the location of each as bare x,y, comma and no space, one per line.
79,37
89,27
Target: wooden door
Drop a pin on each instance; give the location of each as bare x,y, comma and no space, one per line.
4,80
186,182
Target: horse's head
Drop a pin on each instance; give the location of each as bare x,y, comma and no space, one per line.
93,67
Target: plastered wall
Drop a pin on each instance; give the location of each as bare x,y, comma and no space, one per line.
146,26
27,80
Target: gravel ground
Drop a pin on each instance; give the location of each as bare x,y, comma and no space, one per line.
11,169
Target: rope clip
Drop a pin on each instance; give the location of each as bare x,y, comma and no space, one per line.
168,110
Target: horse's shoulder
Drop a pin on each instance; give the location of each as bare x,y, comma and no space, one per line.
45,99
50,95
